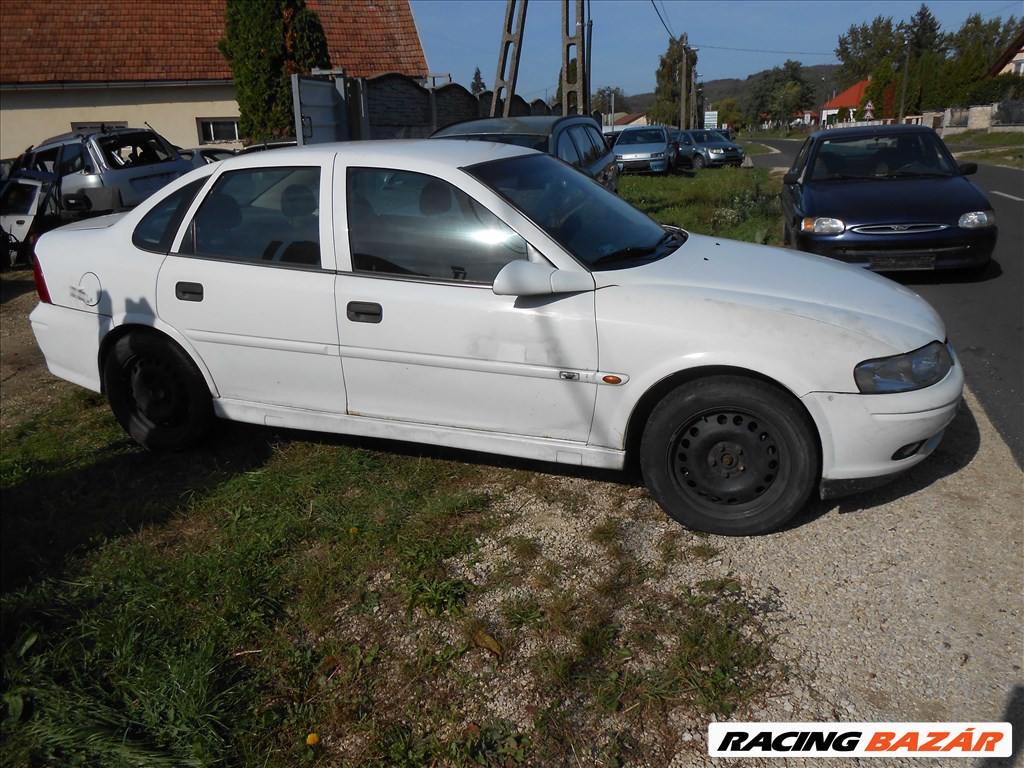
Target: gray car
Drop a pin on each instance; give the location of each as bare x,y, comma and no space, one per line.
710,149
575,139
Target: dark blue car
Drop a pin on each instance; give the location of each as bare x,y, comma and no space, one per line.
886,198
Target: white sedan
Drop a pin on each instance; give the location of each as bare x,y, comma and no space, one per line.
486,297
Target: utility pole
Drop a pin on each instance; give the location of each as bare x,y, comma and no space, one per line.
684,40
570,40
906,72
511,40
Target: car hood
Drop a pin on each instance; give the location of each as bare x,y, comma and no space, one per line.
793,283
899,200
639,149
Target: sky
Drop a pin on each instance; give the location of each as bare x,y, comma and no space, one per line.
735,38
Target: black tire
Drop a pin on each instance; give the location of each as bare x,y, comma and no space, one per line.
730,455
156,392
698,161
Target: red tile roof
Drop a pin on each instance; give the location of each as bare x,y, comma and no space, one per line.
849,98
153,40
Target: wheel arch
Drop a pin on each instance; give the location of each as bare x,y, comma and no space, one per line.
125,329
650,399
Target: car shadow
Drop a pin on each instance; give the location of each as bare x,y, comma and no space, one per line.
12,287
55,513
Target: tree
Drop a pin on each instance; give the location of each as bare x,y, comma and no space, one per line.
265,44
477,85
972,50
925,33
609,99
781,92
667,92
729,112
863,46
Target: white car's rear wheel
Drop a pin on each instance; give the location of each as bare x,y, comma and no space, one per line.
730,455
156,392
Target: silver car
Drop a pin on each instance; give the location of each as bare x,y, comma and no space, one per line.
645,149
78,175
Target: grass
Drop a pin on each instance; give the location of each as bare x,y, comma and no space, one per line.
982,139
737,203
293,599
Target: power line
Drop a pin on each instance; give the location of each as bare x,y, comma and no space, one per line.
670,30
1000,10
758,50
655,7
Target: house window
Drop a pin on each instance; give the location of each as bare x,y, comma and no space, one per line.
214,130
1018,67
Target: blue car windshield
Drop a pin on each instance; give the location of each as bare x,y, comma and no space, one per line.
881,156
599,228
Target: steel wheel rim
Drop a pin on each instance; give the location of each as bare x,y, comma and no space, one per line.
157,392
728,459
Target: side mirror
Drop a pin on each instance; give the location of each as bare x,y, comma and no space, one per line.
527,278
968,168
791,177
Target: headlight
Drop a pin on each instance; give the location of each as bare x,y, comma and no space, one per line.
977,220
822,225
903,373
716,151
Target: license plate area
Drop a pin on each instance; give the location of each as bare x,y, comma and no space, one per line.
895,263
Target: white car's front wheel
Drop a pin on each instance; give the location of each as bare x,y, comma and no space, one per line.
730,455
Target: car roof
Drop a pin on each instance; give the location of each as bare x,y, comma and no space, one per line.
82,135
870,130
444,151
533,125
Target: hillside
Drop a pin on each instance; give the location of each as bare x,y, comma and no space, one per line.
822,76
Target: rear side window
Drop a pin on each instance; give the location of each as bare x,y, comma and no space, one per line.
567,150
157,229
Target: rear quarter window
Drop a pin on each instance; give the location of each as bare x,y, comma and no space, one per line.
156,231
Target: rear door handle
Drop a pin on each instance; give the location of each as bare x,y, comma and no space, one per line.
364,312
188,291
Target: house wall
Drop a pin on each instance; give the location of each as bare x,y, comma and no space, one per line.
29,116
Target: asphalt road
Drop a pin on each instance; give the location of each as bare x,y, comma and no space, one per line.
984,316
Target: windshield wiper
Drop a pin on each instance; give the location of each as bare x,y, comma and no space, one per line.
635,251
929,174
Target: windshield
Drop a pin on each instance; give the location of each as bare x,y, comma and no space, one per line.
707,137
893,156
596,226
650,136
128,150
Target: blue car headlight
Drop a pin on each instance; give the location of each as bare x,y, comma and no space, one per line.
977,220
904,373
822,225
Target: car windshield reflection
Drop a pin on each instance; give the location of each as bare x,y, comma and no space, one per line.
873,157
597,227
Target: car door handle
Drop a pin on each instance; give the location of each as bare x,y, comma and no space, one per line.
188,291
364,312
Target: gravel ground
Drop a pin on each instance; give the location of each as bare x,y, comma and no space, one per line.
904,604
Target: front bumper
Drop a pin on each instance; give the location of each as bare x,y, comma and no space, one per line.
643,165
950,249
726,158
864,438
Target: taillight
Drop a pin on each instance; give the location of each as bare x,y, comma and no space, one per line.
41,289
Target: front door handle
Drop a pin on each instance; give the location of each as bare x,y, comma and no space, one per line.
364,312
188,291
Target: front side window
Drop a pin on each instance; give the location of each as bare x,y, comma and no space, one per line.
412,225
261,215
